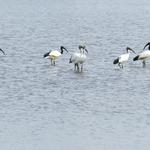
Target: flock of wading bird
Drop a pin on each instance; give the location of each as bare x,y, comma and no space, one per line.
145,54
78,58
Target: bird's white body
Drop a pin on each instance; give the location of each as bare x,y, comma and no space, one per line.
78,58
54,54
124,57
144,55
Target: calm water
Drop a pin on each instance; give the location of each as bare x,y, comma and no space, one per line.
54,108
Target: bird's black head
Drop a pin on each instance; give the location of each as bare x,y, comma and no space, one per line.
148,44
62,49
82,47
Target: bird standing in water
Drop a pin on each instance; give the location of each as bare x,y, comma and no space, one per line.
54,54
123,58
144,55
78,58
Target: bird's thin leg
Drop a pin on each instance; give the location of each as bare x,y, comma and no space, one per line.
54,63
51,62
81,67
78,67
144,63
119,65
75,65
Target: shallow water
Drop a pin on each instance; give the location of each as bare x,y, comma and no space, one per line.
44,107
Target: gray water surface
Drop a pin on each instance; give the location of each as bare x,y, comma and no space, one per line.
54,108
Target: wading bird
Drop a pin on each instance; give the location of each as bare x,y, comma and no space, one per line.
123,58
2,51
78,58
54,54
143,55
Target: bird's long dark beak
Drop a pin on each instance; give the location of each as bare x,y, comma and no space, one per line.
86,50
133,51
146,45
2,51
65,49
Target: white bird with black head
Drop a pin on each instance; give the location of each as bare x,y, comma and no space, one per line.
143,55
78,58
54,54
123,58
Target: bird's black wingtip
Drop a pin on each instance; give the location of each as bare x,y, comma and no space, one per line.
136,58
116,61
46,54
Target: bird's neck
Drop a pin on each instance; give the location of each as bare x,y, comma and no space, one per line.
61,51
128,52
82,50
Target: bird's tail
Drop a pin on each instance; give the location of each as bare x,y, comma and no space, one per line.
116,61
46,55
136,58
